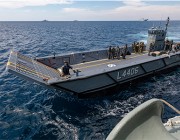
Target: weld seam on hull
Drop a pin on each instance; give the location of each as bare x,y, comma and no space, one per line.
164,62
111,78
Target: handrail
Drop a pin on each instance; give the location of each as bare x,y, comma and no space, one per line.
171,106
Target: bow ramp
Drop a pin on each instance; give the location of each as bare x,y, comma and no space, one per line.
31,69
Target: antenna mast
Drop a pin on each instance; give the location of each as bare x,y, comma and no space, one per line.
167,24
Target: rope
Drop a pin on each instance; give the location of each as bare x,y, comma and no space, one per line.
172,107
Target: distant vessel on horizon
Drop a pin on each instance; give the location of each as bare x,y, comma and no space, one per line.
45,20
145,19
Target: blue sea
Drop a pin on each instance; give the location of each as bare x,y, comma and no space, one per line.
30,111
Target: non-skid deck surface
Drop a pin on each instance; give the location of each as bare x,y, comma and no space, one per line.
89,68
106,65
29,67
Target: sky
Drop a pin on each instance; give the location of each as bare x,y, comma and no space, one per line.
86,10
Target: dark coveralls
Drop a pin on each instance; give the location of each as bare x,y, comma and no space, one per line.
110,53
124,51
113,50
66,68
118,52
150,49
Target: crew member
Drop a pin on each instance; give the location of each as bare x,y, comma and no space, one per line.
178,46
118,52
134,47
150,49
141,47
174,48
124,51
137,47
65,68
113,52
167,45
110,53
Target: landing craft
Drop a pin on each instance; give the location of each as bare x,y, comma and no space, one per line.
94,71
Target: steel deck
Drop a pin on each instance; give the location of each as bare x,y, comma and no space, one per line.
101,66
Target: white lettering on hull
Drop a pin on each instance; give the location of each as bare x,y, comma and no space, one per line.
127,73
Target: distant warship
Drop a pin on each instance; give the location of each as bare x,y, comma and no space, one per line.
45,20
145,19
94,71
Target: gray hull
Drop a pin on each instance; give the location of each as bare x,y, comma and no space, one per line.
119,76
95,75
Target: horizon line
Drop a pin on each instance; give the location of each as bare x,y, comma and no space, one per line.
77,20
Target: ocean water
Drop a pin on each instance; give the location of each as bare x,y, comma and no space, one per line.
30,111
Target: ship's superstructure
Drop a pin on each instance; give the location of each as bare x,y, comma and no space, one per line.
156,38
